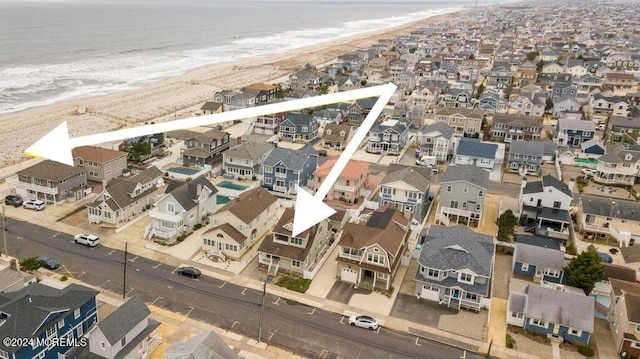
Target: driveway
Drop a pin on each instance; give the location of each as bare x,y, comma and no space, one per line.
342,291
501,274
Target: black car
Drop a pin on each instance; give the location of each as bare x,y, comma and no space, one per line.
13,200
49,263
322,153
190,272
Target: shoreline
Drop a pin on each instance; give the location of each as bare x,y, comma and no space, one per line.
177,96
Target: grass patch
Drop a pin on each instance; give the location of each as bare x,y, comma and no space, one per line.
299,285
510,341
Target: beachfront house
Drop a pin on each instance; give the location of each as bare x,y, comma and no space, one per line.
183,207
240,224
285,169
298,127
205,148
50,181
125,198
455,267
102,164
388,137
268,124
243,161
280,252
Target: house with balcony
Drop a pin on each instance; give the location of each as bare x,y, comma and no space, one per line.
526,157
205,148
370,253
337,136
620,165
285,169
388,137
125,198
563,89
573,133
539,263
456,98
508,127
499,76
298,127
462,190
102,164
352,184
587,82
263,92
492,101
182,207
128,332
357,111
240,224
268,124
244,160
603,106
623,129
406,187
544,206
565,104
472,151
308,78
280,252
50,181
328,116
455,267
564,313
529,103
624,317
608,218
46,315
621,81
465,121
436,140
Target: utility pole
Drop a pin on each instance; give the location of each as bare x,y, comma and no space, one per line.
264,295
124,273
4,231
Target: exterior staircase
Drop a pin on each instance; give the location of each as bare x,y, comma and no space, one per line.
273,267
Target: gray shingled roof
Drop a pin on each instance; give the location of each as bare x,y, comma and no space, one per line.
445,130
120,189
469,173
186,193
540,257
291,159
578,125
475,148
123,319
618,152
417,177
559,307
248,150
608,207
547,181
51,170
517,301
509,118
207,345
395,125
29,307
625,122
531,148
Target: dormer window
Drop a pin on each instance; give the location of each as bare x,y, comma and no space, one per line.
465,278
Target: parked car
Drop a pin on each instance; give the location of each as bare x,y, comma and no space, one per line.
601,127
34,204
589,172
13,200
48,262
87,239
190,272
322,153
363,321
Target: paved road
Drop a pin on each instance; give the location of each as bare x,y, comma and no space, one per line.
305,330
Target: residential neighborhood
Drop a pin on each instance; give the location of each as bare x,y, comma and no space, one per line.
492,207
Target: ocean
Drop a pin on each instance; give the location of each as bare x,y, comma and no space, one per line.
53,51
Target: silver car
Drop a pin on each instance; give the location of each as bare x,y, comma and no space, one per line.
34,204
363,321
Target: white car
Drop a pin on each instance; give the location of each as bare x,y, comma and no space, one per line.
363,321
87,239
589,172
34,204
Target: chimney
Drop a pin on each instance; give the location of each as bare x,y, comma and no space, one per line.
239,140
198,190
13,264
572,183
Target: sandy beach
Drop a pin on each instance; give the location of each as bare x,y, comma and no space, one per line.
174,97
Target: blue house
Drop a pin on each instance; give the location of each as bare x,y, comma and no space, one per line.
573,132
471,151
563,313
298,127
539,263
39,312
284,169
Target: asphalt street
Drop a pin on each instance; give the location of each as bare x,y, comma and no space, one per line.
305,330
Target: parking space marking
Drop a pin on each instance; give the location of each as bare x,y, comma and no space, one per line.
55,235
342,320
81,274
378,331
243,291
110,253
313,311
464,354
189,312
324,353
103,284
276,302
234,323
156,267
157,299
222,285
133,259
129,292
418,344
174,271
271,336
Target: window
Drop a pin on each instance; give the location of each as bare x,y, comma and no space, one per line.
471,296
465,190
296,241
635,345
268,180
76,313
524,267
103,346
268,169
61,323
448,188
375,258
433,273
465,277
575,332
539,323
295,263
552,273
123,342
556,204
480,193
171,207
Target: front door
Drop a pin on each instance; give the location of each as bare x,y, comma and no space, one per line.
456,294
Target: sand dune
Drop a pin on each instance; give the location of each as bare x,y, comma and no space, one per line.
173,97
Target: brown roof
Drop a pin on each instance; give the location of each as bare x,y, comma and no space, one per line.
628,287
384,228
283,250
509,118
209,136
619,272
96,154
335,132
633,307
51,171
619,76
466,112
249,204
230,231
260,87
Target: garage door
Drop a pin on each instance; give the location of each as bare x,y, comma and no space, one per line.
349,275
429,293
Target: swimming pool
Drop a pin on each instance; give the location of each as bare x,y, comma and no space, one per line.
231,185
587,161
183,171
222,199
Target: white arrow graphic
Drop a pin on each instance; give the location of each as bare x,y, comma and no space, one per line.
310,209
57,145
